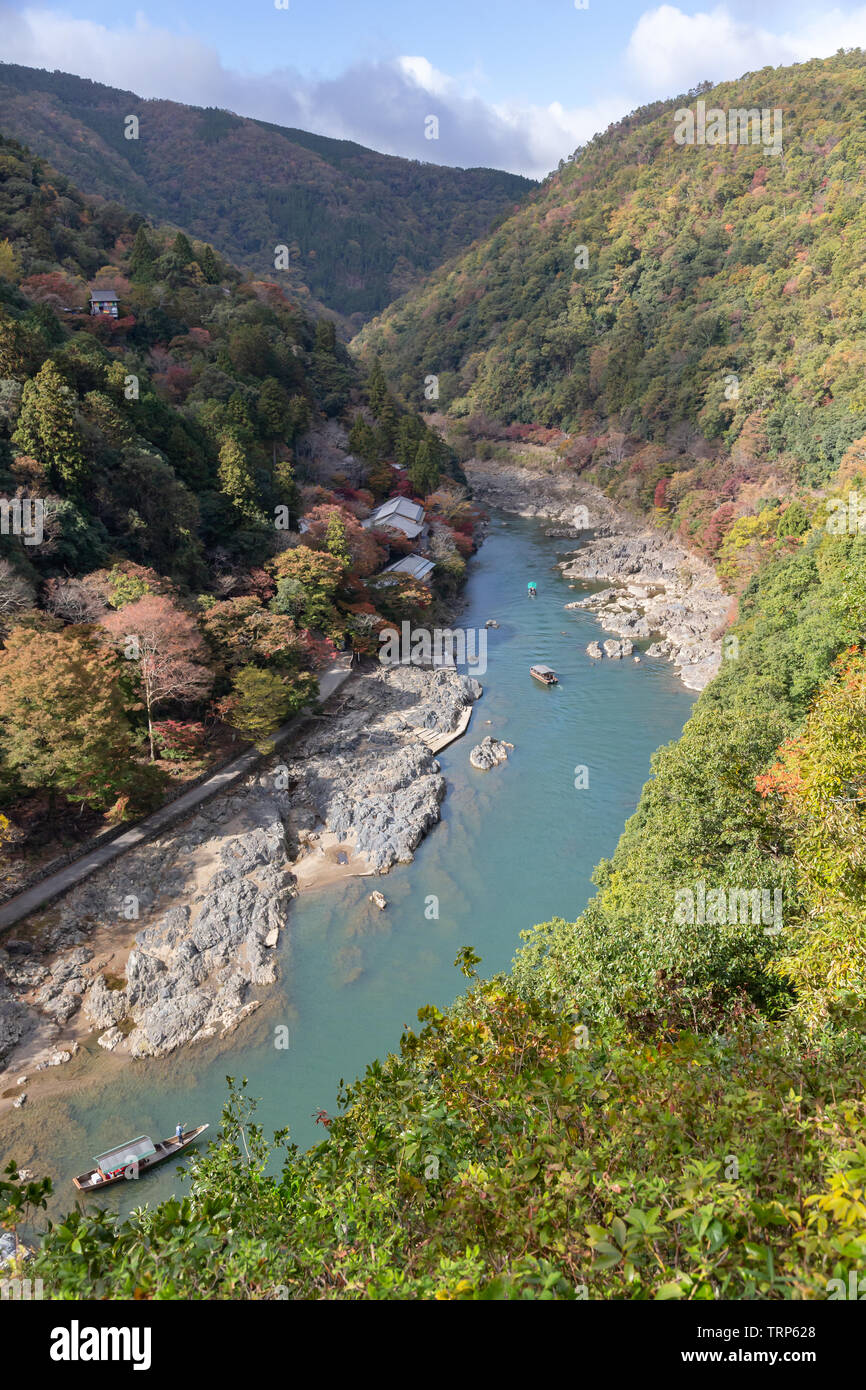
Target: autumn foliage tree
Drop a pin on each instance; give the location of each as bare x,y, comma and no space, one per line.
63,726
56,289
307,581
819,785
336,530
243,633
168,651
260,701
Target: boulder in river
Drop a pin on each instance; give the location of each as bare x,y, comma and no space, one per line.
379,899
594,650
488,753
616,650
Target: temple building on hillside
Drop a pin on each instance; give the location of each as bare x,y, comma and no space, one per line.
104,302
401,515
415,566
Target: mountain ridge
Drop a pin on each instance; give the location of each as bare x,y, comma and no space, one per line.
705,351
356,221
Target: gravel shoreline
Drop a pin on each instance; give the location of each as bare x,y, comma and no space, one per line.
174,943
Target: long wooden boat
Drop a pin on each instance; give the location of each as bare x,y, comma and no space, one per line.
545,674
133,1158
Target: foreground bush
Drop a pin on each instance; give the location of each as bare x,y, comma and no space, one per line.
505,1153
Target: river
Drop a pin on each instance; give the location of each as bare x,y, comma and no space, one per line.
516,846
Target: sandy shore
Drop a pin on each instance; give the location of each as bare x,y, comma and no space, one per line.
328,861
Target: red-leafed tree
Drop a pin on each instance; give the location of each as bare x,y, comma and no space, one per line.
365,556
717,527
168,649
55,289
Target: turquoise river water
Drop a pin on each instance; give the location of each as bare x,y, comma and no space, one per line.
515,846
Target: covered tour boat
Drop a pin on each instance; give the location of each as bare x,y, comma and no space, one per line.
134,1158
545,674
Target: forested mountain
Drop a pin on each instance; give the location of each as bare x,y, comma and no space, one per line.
691,314
360,227
654,1103
154,468
691,317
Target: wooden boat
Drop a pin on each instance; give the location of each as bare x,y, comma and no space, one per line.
545,674
133,1158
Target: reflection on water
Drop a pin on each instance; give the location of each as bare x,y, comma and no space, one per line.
516,846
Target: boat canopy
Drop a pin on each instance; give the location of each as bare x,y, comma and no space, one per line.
133,1151
545,670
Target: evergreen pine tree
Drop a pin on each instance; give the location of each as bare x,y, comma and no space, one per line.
377,388
142,257
273,409
47,428
326,336
236,480
181,249
387,417
424,471
406,444
209,266
299,415
362,440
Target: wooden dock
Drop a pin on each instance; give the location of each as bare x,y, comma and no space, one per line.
436,742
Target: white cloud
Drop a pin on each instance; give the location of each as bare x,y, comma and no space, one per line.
423,74
549,133
670,51
385,104
158,61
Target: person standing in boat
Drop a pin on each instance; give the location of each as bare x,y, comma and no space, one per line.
178,1133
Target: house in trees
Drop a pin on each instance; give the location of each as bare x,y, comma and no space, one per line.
103,302
415,566
401,515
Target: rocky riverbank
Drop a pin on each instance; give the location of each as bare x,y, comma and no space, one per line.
174,942
655,589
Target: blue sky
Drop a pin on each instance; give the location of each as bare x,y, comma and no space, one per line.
515,83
